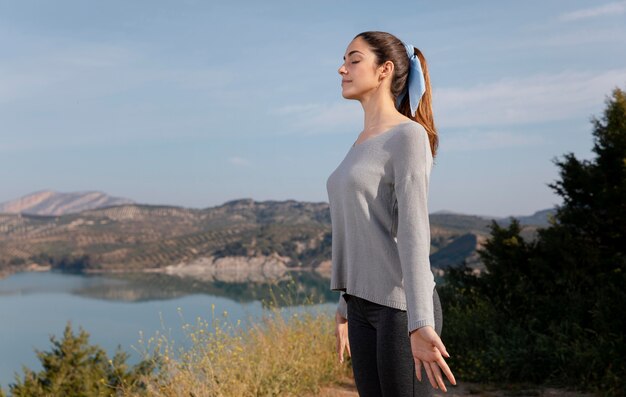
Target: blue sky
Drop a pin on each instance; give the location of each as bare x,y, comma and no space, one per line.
195,103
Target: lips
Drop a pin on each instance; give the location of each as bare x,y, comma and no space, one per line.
346,81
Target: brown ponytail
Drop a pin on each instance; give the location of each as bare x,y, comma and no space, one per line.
388,47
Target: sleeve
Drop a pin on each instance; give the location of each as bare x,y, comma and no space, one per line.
342,307
412,165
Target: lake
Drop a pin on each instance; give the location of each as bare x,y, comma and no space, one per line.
115,309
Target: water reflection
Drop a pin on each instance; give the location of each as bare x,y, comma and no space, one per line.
296,289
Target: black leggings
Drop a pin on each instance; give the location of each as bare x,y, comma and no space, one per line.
382,361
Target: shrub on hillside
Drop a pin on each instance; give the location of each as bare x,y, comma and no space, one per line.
550,310
73,367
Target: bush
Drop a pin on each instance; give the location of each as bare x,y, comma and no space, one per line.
75,368
550,310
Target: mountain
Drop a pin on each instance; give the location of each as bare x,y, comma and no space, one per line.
50,202
539,218
241,240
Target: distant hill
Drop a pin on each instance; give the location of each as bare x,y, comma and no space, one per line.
539,218
50,202
240,240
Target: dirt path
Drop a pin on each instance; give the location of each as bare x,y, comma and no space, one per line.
347,389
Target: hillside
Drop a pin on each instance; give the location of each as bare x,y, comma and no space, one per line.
239,241
50,202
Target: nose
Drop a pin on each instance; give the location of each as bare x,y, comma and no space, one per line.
342,69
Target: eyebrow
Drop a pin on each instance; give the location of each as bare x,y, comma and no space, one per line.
352,52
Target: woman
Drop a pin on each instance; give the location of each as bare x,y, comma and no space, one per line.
380,227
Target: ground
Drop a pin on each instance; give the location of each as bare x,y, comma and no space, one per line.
347,389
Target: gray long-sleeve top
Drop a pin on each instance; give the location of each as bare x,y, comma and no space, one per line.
378,198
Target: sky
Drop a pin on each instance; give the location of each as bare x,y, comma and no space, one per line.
195,103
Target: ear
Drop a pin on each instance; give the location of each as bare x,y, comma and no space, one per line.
386,70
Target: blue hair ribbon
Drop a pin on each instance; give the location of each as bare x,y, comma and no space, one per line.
416,85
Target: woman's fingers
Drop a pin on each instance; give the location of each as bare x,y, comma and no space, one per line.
430,374
438,377
446,370
338,349
338,346
344,346
418,369
342,343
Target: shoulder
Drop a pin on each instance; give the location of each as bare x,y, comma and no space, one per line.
410,150
409,136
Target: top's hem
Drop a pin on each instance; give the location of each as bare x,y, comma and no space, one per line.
364,295
414,325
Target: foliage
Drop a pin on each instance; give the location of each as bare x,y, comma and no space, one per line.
278,356
64,262
286,355
550,310
75,368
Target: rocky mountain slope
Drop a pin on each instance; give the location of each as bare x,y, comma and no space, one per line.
50,202
241,240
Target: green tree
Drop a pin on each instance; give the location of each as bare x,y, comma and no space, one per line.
74,368
489,319
584,249
551,308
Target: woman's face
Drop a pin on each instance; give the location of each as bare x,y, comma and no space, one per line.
359,73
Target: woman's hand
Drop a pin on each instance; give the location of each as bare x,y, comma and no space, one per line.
341,333
428,350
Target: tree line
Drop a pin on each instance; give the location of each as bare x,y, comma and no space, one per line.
550,310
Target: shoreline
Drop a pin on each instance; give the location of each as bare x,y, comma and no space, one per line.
224,274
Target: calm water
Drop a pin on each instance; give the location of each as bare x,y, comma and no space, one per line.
115,309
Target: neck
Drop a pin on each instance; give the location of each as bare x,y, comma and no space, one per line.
378,110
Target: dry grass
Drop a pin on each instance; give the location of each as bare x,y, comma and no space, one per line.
279,355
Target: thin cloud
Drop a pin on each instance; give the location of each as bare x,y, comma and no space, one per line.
108,94
321,118
580,38
533,99
99,70
296,109
239,161
508,102
615,8
474,140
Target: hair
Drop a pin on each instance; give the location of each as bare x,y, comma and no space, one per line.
388,47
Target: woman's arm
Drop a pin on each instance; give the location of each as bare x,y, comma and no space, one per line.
341,328
412,166
412,162
342,307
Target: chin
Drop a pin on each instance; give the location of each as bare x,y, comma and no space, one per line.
348,95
